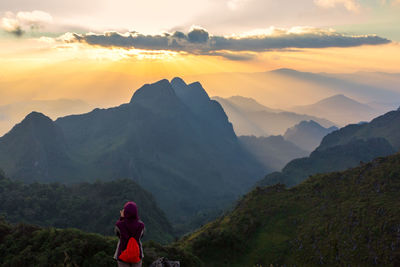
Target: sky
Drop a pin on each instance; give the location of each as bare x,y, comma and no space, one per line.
100,51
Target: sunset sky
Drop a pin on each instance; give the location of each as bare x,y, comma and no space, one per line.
99,51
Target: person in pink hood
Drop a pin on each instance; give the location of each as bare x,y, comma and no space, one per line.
126,227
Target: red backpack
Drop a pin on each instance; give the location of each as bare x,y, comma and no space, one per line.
132,253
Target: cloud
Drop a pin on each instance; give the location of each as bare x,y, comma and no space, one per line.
233,56
199,41
19,23
198,35
351,5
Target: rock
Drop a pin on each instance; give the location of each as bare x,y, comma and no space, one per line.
164,262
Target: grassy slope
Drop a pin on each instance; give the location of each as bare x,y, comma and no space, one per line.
340,218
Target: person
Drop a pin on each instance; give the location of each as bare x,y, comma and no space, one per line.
126,227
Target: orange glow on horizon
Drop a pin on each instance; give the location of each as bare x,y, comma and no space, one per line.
107,77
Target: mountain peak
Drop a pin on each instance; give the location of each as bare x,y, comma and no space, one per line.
339,97
34,122
310,123
284,70
307,134
177,81
242,99
149,93
34,115
191,94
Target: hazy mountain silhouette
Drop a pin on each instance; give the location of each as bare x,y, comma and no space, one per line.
274,152
343,149
181,150
251,118
13,113
339,109
307,135
285,88
249,104
36,150
336,82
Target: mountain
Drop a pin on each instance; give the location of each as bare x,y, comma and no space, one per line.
339,109
307,134
345,218
197,100
340,218
13,113
379,90
386,126
285,88
182,151
35,149
336,158
251,118
274,152
343,149
89,207
248,104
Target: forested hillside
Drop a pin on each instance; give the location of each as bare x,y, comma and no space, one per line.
29,245
349,218
335,219
89,207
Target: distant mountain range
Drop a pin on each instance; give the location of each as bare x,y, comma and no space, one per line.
251,118
340,218
171,139
343,149
285,88
274,152
339,109
307,135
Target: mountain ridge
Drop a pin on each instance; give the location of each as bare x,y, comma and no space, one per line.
343,149
339,109
307,134
259,120
161,142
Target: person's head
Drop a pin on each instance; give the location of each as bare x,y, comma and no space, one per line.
131,211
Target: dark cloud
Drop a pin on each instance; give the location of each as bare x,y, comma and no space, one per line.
140,41
179,35
198,41
198,36
17,31
309,40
